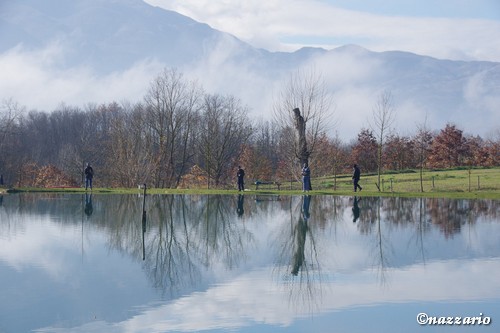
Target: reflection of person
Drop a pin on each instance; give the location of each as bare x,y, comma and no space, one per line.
1,179
241,201
355,178
306,178
89,174
88,204
355,210
240,175
305,207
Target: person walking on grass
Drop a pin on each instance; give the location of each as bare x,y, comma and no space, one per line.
89,174
355,178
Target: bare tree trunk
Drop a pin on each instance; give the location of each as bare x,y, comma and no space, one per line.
304,92
300,138
383,116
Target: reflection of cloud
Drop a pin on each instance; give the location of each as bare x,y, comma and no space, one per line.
254,298
252,294
43,245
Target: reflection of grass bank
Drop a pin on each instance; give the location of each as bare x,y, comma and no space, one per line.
456,183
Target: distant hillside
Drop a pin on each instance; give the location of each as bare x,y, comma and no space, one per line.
103,50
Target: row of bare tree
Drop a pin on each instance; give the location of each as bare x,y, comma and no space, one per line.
178,126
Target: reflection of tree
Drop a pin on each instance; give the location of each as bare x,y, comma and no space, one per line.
298,260
184,235
409,211
399,211
381,259
298,245
369,215
293,245
422,226
450,215
299,236
187,235
216,237
168,247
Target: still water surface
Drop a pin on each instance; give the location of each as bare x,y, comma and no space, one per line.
76,263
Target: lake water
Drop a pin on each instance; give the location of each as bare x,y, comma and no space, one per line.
76,263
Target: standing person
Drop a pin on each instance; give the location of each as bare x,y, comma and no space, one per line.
306,178
355,178
240,175
89,174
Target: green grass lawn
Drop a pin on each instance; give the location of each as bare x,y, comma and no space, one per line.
451,183
447,183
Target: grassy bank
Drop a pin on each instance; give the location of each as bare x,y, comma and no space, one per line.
457,183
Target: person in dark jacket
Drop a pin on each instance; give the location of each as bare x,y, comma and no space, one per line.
89,174
240,175
306,178
355,178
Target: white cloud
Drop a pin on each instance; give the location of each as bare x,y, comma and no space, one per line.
33,78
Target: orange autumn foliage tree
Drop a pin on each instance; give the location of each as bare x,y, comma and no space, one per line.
256,166
31,175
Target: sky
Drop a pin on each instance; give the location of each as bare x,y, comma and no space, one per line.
444,29
450,29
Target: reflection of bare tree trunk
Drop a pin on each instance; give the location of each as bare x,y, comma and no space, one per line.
298,261
299,236
300,232
421,227
382,260
143,236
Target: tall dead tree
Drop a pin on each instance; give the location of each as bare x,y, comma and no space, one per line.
306,94
301,150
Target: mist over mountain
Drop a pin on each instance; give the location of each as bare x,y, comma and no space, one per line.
98,51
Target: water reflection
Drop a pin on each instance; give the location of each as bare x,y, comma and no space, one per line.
355,209
162,260
88,204
241,203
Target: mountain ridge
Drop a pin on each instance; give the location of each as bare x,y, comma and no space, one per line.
127,42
